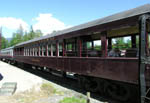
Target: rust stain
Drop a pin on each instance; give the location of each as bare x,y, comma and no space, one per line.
35,60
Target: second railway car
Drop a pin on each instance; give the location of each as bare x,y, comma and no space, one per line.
90,52
7,54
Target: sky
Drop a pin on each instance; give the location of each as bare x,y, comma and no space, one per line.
50,15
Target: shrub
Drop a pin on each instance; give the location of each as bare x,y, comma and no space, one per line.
47,88
73,100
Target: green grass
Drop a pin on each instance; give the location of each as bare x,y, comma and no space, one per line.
48,88
73,100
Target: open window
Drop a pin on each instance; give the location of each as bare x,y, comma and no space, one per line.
35,51
70,49
49,50
91,48
124,47
44,50
60,49
54,50
40,52
31,51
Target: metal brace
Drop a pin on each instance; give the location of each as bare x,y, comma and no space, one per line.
145,60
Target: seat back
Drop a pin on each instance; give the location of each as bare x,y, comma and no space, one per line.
132,52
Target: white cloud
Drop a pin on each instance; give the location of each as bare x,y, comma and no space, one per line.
12,23
44,22
47,23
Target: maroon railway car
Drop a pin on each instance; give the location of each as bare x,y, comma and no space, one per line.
84,50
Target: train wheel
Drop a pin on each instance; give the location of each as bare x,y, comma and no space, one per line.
80,81
63,74
101,87
91,84
118,92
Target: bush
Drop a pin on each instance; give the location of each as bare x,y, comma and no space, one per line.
48,88
73,100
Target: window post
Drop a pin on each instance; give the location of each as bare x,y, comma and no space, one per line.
52,49
57,48
92,45
63,46
47,49
42,49
39,50
142,56
133,40
109,43
79,46
104,43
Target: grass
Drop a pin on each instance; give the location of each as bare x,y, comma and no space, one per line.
73,100
46,90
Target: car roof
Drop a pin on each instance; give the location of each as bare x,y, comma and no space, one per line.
115,17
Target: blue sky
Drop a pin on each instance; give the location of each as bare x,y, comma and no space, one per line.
49,15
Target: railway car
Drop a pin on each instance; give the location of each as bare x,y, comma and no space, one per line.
90,53
7,54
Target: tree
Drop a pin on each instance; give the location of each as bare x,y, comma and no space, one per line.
25,37
128,44
17,38
20,30
38,33
32,34
119,43
122,43
4,43
21,36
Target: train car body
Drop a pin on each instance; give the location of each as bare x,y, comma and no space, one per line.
51,50
84,51
7,54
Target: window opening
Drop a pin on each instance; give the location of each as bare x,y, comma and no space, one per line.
54,49
49,49
40,51
60,49
91,48
44,50
122,47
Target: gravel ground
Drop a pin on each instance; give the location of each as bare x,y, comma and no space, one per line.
26,81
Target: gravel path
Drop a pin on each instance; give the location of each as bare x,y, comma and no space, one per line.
24,80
